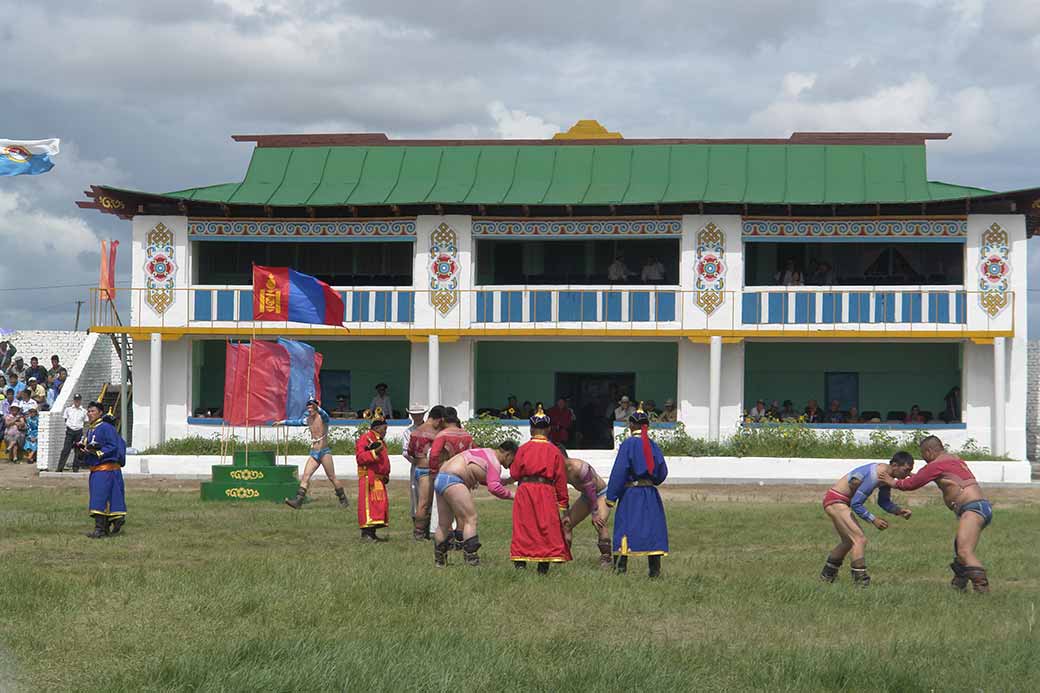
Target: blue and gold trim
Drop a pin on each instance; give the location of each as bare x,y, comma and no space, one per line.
301,229
861,230
586,228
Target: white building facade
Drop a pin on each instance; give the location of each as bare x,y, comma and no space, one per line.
466,300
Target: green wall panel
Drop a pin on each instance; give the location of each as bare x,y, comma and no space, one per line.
528,369
892,377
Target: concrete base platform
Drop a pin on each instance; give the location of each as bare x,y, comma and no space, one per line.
680,469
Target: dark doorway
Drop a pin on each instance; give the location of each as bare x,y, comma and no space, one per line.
843,387
593,397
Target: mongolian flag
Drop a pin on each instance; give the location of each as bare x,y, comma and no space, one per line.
267,381
283,294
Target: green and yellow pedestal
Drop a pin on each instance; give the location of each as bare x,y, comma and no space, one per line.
252,476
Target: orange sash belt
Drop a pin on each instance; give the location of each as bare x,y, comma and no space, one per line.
106,467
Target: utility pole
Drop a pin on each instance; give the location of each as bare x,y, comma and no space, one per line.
79,304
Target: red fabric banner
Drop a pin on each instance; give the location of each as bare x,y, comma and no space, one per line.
270,293
255,382
107,275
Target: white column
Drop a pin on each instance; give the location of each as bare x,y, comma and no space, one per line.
155,408
434,354
998,436
714,386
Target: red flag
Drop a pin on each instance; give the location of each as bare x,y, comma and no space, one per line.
106,278
255,381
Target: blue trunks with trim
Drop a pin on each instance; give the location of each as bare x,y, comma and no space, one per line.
444,480
979,507
318,454
420,472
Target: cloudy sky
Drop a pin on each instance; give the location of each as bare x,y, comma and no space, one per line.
145,94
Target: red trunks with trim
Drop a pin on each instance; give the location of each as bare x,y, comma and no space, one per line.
832,497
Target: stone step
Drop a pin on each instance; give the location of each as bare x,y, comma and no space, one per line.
248,491
232,474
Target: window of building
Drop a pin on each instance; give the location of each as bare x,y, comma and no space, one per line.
336,263
578,261
854,264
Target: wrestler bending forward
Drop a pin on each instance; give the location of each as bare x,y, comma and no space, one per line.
848,496
456,477
593,502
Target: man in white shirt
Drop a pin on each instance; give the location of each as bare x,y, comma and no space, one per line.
382,402
618,270
653,271
624,409
74,415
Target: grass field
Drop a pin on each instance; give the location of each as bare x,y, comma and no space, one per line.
259,598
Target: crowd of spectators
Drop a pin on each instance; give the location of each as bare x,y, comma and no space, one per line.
776,412
29,389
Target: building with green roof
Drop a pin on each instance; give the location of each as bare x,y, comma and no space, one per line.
823,267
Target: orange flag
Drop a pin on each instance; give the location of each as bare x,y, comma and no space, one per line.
107,281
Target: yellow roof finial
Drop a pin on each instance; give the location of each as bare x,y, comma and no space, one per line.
587,130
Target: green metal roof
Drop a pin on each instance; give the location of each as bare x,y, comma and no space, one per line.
546,174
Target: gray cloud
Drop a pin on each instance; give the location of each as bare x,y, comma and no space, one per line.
145,94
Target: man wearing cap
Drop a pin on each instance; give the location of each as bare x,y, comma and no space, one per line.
639,523
418,441
37,393
18,369
373,463
381,403
317,420
624,409
75,416
541,528
669,415
105,452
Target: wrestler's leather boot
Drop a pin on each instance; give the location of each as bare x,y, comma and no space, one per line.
100,528
440,553
830,570
543,568
419,529
654,565
115,525
469,550
341,494
979,581
620,564
960,579
605,560
457,540
296,502
520,565
860,578
426,530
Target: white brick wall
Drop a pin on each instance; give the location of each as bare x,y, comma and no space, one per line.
92,363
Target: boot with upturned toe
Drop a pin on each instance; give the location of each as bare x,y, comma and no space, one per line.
296,502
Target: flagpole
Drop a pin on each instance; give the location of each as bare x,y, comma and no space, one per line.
249,372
